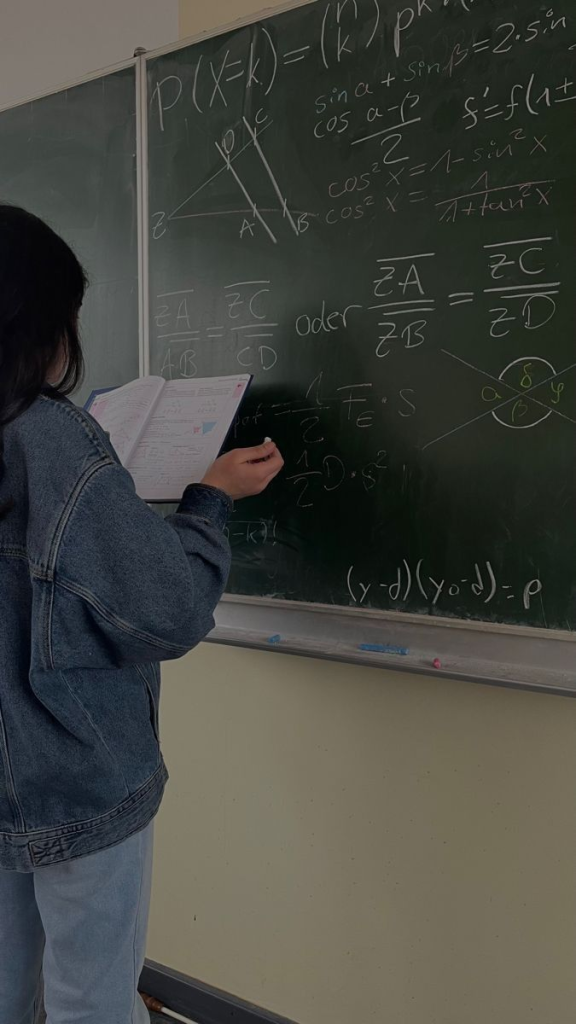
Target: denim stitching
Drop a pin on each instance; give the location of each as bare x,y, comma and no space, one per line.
87,714
150,695
115,620
69,508
86,595
63,831
10,784
67,409
14,552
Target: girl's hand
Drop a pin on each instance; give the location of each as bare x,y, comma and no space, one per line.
245,471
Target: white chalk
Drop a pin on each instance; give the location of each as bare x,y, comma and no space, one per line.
267,440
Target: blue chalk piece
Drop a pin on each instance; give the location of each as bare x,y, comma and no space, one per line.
275,639
384,649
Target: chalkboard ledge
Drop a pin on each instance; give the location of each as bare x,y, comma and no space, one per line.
509,656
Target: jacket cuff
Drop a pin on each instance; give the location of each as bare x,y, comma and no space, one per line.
207,503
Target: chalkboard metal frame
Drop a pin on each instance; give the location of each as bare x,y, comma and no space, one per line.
505,656
143,211
497,655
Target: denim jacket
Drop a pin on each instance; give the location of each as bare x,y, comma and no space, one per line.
95,590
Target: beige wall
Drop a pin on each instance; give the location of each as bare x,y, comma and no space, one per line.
47,43
346,846
201,15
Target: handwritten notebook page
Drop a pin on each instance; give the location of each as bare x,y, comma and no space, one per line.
124,412
184,435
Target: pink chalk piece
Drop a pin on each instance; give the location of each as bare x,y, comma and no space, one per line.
437,663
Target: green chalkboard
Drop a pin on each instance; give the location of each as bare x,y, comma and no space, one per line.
70,158
371,206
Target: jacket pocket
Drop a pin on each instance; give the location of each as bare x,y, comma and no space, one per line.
13,801
150,678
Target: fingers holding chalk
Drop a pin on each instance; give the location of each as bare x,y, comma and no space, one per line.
265,456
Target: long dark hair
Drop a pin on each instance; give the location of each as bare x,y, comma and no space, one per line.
42,287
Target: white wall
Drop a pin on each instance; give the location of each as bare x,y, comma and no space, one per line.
47,43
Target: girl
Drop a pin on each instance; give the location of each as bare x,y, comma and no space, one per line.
95,591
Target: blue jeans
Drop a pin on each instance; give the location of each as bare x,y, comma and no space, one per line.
83,925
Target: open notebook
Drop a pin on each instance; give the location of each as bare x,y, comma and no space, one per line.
168,433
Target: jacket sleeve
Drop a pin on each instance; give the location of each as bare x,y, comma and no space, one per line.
129,586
